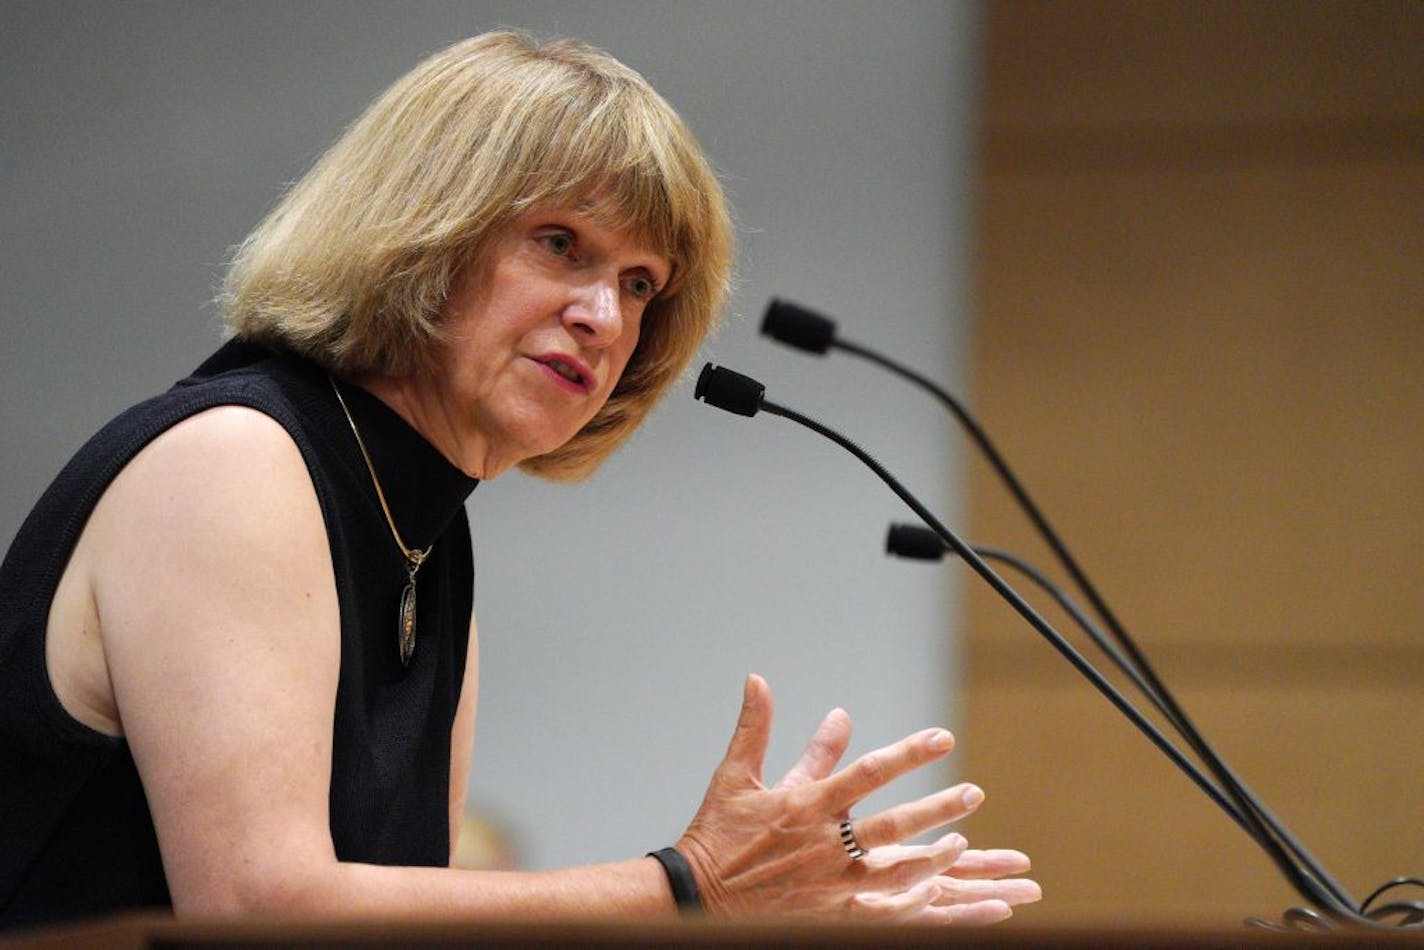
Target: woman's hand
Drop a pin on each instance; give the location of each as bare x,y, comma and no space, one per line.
759,850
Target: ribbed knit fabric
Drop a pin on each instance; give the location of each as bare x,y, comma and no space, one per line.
76,836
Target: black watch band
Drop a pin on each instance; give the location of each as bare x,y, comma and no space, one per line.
679,875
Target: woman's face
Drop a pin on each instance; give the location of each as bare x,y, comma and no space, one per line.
538,337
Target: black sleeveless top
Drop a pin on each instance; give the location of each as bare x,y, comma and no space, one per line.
76,836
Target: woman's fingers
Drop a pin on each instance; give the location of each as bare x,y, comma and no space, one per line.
904,906
1012,891
904,822
823,753
747,750
884,765
901,867
969,915
997,862
973,876
896,874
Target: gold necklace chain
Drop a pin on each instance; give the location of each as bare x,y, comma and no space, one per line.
405,621
416,558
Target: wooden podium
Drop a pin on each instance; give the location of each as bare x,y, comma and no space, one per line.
162,932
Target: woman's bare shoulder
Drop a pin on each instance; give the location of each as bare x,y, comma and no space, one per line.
218,510
228,458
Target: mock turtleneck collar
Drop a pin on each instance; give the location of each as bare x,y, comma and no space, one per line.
423,488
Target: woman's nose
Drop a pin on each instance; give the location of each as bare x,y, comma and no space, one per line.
595,312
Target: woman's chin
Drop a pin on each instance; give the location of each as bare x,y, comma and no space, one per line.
498,463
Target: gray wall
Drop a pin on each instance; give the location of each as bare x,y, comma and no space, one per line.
618,617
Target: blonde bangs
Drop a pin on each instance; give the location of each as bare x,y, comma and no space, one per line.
607,153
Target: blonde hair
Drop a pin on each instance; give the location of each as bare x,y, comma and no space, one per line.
353,267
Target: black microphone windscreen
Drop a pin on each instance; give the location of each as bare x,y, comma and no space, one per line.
914,541
729,390
797,326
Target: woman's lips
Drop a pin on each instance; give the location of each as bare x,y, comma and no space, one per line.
567,372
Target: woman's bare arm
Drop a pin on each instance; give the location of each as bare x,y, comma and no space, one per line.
209,566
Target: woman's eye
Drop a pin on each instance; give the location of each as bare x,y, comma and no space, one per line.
560,244
642,288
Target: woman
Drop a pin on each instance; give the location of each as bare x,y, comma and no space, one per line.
237,661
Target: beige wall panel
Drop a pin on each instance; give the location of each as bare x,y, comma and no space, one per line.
1215,382
1200,340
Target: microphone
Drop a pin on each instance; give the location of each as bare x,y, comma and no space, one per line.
916,543
796,326
740,394
789,323
729,390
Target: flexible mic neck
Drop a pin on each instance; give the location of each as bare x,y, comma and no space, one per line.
725,388
1266,825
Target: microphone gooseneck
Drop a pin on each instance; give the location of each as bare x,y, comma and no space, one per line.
1238,803
1264,825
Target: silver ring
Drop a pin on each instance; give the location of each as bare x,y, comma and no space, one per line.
852,847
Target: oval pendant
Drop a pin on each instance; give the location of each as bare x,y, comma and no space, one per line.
406,629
